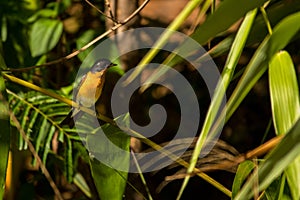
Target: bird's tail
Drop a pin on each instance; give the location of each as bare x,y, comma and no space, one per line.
68,120
71,118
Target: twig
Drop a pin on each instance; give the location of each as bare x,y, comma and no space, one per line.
36,156
258,151
102,13
250,155
75,53
110,11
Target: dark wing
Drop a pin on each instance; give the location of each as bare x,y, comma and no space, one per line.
69,120
79,85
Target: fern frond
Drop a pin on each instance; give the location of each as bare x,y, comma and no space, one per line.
40,116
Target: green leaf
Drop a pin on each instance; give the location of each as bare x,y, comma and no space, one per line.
69,161
4,29
110,182
276,12
242,173
284,94
44,35
217,23
80,182
214,25
278,190
231,62
82,40
282,35
277,161
41,115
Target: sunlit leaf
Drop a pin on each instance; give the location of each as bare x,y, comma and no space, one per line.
242,173
219,96
259,62
284,94
44,35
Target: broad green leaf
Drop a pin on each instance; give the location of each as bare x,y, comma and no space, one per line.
276,162
284,94
5,132
110,182
44,35
217,23
242,173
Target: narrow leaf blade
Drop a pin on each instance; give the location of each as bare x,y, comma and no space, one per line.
277,161
242,173
284,94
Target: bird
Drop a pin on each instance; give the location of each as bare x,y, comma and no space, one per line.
89,90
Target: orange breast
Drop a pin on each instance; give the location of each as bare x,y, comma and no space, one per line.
91,89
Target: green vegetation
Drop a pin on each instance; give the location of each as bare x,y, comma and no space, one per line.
39,60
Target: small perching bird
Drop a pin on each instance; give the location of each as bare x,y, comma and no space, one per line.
89,90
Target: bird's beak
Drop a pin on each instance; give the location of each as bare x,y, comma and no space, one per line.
112,64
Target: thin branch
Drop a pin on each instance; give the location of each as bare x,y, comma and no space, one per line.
258,151
110,11
250,155
102,13
75,53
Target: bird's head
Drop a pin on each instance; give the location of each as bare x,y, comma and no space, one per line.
101,65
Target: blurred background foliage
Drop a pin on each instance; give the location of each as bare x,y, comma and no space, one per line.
34,32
